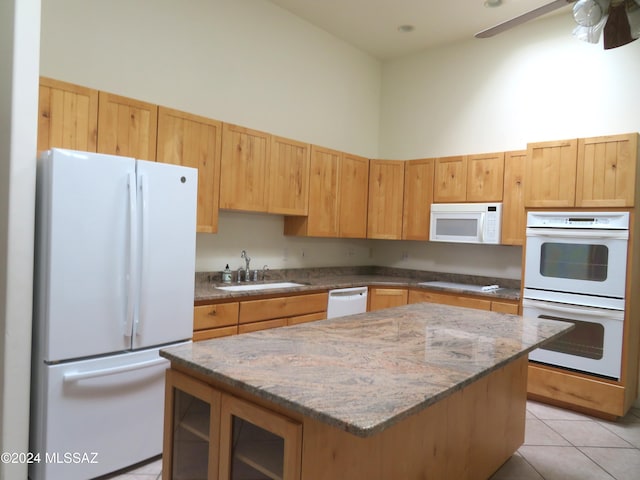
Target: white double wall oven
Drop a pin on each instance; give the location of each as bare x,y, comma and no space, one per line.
575,271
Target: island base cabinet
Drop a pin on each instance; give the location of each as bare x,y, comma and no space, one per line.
191,429
466,436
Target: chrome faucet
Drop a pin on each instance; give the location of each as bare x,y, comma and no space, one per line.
240,270
247,270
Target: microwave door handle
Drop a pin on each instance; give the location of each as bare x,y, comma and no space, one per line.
481,234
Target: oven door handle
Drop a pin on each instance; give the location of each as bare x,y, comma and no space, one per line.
578,234
574,309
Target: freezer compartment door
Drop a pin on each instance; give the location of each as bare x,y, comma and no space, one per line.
82,255
167,202
96,416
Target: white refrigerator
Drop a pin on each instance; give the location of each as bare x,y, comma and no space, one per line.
114,282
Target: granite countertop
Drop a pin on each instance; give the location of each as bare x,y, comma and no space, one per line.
363,373
206,290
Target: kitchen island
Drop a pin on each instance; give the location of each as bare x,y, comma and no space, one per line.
418,391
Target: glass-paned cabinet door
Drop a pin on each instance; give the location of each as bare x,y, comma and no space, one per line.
191,429
257,444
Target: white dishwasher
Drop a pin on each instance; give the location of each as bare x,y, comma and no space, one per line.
347,301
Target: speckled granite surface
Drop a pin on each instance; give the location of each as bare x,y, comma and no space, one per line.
365,372
344,277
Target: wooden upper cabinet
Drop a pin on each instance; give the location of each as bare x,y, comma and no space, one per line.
418,197
288,177
193,141
245,153
606,171
354,194
324,201
386,195
550,171
450,180
127,127
513,213
67,116
485,177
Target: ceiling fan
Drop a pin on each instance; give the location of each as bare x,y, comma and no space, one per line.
618,20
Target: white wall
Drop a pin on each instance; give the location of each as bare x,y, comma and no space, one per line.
533,83
240,61
19,46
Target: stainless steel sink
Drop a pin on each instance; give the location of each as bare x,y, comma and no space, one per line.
260,286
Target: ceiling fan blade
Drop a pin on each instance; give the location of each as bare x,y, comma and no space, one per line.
525,17
617,31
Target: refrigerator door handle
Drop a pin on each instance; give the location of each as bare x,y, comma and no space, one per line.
131,268
103,372
144,250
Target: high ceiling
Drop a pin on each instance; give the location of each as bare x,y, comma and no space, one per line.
372,25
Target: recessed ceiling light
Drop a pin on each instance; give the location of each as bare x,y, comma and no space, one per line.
492,3
406,28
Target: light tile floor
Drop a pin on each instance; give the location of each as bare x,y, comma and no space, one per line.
559,445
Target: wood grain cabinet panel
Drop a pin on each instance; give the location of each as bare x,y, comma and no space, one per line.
127,127
354,195
288,177
386,196
281,307
418,197
607,171
243,171
485,177
457,300
67,116
193,141
550,171
514,217
450,181
380,297
324,200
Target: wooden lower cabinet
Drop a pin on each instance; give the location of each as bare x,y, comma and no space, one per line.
231,318
380,298
210,435
462,300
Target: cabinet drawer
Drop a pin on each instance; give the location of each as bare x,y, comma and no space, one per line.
214,333
264,325
416,296
309,317
213,316
269,308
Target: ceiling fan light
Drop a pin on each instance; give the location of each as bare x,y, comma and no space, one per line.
617,31
587,13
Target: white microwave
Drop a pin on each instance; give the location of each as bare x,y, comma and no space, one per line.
466,222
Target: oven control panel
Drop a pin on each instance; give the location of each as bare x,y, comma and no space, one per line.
585,220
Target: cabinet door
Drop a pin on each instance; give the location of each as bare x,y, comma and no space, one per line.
192,428
418,197
258,443
386,194
288,177
513,214
606,173
380,298
485,177
192,141
417,296
243,169
450,181
323,192
127,127
354,192
550,171
67,116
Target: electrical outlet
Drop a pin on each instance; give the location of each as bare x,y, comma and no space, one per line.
285,253
351,252
405,255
